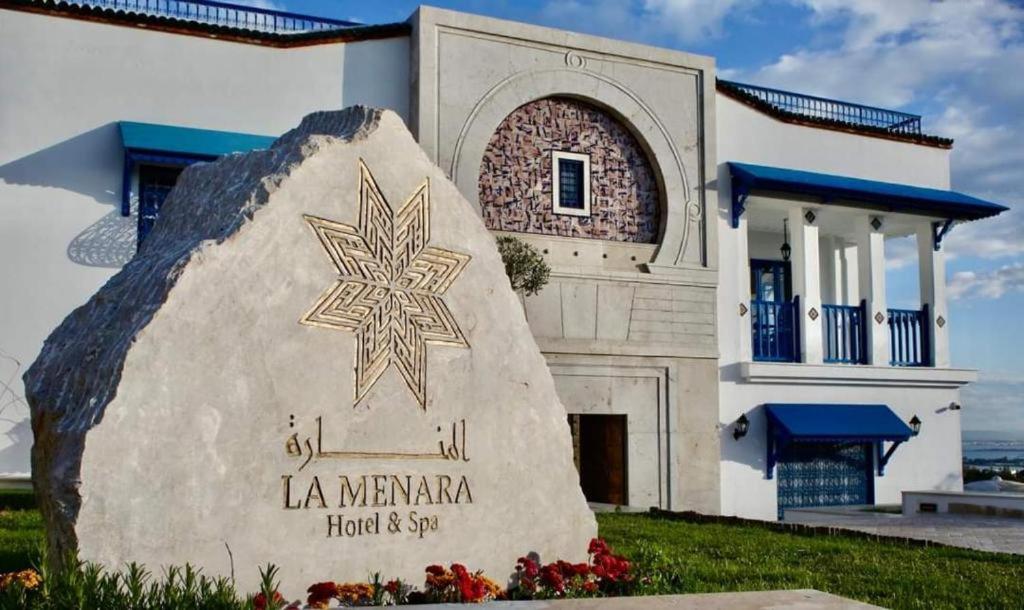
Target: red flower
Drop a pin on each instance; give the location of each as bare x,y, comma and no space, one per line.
321,593
393,586
260,601
436,570
598,547
551,576
528,566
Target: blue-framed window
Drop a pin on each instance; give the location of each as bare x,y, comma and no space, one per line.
156,155
570,184
770,281
157,174
155,183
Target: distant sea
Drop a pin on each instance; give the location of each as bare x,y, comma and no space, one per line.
991,449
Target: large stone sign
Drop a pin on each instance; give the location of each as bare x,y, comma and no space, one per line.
315,360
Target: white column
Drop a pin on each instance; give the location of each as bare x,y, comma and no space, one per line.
871,268
932,269
851,275
743,290
827,264
807,284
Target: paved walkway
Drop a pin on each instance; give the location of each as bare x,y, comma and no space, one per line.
801,599
967,531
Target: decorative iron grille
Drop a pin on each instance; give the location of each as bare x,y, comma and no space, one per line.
825,109
909,339
224,14
776,330
824,474
845,334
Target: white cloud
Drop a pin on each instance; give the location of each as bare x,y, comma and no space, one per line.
988,285
960,61
993,405
264,4
643,20
900,252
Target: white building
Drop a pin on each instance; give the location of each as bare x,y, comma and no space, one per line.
660,197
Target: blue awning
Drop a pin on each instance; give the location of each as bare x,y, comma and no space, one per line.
827,423
843,190
836,423
171,140
180,146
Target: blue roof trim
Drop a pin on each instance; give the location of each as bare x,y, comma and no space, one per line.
188,141
170,145
830,423
834,189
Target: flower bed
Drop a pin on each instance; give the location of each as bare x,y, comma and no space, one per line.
88,586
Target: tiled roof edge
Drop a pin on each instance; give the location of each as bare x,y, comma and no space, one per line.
59,8
832,124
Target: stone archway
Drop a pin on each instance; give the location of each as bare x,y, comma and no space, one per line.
516,175
679,213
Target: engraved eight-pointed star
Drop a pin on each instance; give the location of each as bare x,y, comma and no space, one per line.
390,286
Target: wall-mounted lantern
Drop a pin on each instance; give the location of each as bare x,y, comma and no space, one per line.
785,249
739,429
915,425
954,406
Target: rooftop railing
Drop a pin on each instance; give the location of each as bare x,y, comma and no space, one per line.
821,108
224,14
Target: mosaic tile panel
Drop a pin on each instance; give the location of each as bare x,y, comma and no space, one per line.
515,175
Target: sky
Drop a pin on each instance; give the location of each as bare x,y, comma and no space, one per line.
959,63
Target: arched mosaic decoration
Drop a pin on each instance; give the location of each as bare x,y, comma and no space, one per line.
515,174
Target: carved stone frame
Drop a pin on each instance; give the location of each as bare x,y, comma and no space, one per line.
578,75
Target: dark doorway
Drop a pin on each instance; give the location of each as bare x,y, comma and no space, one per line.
599,448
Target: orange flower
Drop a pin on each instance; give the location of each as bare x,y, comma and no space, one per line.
28,579
354,594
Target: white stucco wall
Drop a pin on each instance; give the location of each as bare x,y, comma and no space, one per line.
65,84
930,461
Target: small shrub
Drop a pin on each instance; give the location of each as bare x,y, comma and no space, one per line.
524,265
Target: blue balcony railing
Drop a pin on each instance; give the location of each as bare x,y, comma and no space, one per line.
224,14
821,108
844,333
776,330
909,339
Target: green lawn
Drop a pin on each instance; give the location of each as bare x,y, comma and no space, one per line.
683,557
696,558
21,530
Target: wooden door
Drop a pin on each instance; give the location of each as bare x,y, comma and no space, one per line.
600,445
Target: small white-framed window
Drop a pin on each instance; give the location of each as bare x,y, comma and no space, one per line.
570,183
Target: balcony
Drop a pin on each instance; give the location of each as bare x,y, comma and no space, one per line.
776,334
909,340
776,328
826,113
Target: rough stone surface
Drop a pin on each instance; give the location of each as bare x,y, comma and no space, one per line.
326,314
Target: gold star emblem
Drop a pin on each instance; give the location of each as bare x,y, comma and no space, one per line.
389,287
